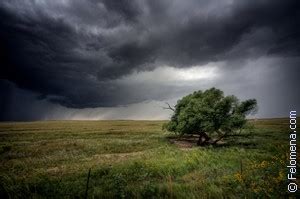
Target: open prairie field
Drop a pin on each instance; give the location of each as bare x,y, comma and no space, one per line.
137,159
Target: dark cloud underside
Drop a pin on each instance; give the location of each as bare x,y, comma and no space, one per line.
73,53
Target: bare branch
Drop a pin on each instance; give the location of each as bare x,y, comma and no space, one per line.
221,136
169,107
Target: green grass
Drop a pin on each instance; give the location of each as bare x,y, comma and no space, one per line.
134,159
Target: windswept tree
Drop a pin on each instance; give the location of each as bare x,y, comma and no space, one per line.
210,114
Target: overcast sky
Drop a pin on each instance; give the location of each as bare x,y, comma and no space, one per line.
123,59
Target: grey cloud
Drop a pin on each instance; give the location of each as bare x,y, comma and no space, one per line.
73,53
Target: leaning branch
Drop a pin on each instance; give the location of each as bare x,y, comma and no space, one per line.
221,136
169,107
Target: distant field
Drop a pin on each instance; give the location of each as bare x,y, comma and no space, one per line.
135,159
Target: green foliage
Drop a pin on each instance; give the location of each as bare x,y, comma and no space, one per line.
209,111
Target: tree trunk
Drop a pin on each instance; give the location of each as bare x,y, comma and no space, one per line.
201,142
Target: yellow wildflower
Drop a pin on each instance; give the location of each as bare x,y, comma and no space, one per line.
238,176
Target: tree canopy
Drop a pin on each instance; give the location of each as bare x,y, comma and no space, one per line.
209,112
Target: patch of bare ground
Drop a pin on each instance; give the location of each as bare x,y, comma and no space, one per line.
186,142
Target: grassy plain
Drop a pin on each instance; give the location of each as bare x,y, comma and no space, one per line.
135,159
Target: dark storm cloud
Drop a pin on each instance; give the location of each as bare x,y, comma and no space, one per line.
71,52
